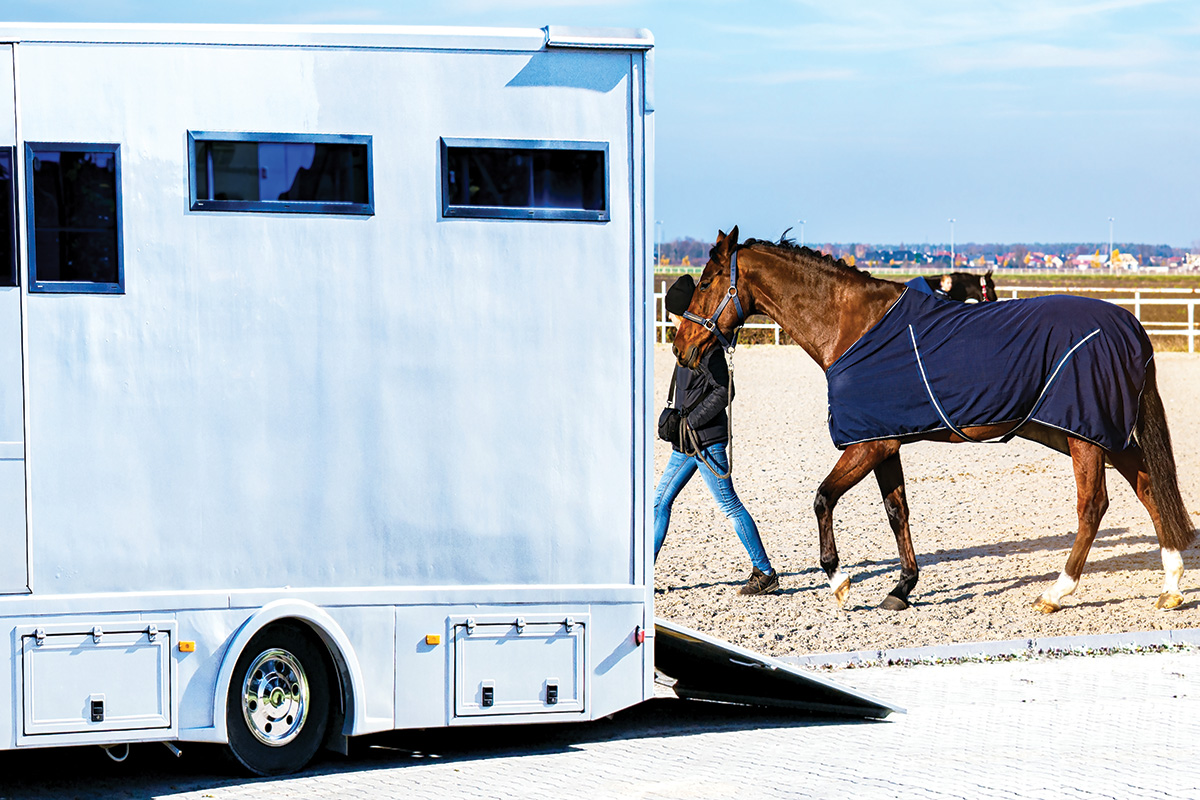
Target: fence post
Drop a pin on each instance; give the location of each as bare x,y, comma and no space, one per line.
1191,326
660,332
661,313
776,324
1137,304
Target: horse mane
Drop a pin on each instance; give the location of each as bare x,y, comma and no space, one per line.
790,247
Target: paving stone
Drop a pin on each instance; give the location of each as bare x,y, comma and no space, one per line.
1111,726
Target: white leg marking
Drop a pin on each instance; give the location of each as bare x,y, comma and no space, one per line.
1173,568
1064,586
837,579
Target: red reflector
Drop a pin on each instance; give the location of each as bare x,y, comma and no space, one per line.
639,636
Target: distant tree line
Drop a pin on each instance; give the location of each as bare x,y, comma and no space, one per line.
694,249
697,250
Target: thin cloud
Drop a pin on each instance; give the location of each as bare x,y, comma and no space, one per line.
1155,82
339,15
798,76
1011,56
464,8
883,27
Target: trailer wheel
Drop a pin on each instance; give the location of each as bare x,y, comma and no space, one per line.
278,703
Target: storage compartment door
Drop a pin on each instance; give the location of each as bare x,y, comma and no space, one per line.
519,667
98,681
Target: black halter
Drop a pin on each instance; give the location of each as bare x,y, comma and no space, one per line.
710,324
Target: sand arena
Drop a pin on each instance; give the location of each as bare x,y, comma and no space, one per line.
992,525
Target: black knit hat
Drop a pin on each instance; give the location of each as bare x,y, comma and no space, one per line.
679,296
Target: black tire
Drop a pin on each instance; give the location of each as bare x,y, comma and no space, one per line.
278,705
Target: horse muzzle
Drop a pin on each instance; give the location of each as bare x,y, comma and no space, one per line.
690,359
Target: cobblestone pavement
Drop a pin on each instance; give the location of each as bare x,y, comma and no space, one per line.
1114,726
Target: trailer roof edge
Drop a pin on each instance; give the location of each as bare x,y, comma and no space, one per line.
615,38
360,36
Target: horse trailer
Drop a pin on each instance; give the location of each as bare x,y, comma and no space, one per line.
325,404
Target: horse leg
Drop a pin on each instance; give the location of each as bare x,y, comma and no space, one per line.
1091,503
1132,465
856,463
890,476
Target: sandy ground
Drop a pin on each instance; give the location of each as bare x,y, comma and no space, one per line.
992,525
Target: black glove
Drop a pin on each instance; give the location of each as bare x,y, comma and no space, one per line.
668,424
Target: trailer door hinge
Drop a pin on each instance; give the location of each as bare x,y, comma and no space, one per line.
39,636
152,632
97,634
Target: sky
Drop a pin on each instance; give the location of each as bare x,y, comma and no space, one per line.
873,121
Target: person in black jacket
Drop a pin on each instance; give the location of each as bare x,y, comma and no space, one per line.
701,394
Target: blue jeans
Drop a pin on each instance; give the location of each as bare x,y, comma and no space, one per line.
679,471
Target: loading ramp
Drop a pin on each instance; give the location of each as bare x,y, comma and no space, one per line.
704,668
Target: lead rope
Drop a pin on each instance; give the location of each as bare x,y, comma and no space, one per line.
729,404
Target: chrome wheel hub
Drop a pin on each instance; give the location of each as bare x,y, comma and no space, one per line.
275,697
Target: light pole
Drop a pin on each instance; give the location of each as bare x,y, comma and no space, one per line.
801,222
1110,241
658,227
952,221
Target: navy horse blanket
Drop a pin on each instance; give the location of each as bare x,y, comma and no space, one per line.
932,364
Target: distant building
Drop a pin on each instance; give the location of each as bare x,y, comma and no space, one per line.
1121,260
1087,261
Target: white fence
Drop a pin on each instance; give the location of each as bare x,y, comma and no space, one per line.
1134,299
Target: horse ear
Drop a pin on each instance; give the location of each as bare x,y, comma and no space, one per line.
720,236
733,237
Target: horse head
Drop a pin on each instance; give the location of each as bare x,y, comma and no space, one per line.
988,287
716,311
967,287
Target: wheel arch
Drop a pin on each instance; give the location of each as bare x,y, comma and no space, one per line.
349,685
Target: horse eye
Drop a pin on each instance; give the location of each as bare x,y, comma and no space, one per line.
704,285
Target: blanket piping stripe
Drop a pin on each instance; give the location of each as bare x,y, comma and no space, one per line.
1072,434
929,389
914,436
1069,432
1142,391
1008,437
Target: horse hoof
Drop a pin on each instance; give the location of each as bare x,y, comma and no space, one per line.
893,603
841,593
1045,606
1168,600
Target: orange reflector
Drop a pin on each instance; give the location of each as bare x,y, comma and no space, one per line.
187,647
433,638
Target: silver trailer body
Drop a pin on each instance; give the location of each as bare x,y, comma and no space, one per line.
416,429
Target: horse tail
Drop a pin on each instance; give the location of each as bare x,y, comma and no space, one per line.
1155,440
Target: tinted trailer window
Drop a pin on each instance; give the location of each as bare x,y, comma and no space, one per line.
75,214
8,219
525,180
295,173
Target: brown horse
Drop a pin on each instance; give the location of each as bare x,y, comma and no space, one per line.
827,307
